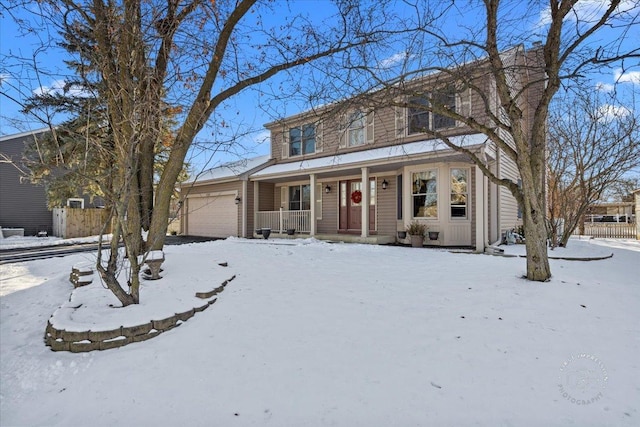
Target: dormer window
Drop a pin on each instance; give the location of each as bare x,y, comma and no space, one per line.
302,140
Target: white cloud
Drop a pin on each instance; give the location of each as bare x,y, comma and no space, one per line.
394,59
628,77
609,111
57,87
604,87
4,78
587,11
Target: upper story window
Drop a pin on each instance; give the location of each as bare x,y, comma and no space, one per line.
302,140
420,120
356,129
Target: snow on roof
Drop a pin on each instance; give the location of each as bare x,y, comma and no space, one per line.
394,152
230,170
21,134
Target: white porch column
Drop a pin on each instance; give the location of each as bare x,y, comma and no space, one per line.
479,210
312,184
256,204
365,202
245,203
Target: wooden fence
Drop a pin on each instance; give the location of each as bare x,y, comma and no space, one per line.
74,222
611,230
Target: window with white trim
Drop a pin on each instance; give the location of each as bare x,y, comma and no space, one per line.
425,194
459,193
356,129
75,203
302,140
420,120
300,197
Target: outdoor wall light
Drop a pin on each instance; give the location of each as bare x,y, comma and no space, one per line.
327,189
385,184
238,200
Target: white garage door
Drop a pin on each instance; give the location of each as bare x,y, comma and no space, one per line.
215,216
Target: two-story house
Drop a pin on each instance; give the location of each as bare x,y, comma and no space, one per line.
361,170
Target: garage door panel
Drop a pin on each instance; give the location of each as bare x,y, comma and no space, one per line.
215,216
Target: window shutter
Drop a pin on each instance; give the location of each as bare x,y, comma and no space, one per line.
463,104
400,119
319,136
285,143
342,143
369,128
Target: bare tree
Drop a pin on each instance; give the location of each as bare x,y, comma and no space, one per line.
191,56
593,143
542,48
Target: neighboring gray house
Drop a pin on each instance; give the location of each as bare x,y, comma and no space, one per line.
22,204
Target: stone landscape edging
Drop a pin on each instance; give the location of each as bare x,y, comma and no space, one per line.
85,341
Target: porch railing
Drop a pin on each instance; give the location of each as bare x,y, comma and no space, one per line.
280,221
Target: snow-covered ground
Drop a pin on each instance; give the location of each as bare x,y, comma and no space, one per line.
312,333
15,242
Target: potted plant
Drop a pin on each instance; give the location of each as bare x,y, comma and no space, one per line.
416,230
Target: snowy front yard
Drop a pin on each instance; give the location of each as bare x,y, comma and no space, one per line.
311,333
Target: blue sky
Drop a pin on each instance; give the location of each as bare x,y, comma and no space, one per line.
248,111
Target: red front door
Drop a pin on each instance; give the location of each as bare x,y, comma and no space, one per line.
351,208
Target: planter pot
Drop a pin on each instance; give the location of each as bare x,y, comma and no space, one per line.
433,235
259,231
291,231
266,232
417,241
402,234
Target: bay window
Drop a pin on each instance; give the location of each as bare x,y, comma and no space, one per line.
459,193
425,194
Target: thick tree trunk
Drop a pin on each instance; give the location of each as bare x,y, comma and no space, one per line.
536,243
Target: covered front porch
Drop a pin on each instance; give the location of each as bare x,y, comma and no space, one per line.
372,200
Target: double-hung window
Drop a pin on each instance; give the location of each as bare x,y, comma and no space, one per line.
302,140
356,129
300,197
420,120
446,99
459,193
425,194
418,115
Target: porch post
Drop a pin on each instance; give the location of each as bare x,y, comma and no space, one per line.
479,210
256,204
365,202
245,203
312,220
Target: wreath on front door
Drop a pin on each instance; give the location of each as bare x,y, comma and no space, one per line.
356,196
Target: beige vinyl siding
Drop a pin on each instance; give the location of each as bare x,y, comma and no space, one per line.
386,206
507,204
248,198
471,205
329,222
266,196
381,123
